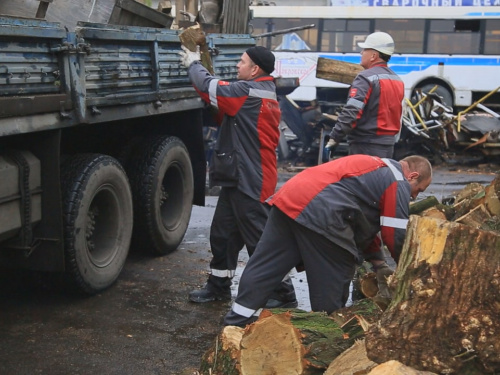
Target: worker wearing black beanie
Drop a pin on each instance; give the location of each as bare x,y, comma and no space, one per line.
262,57
243,164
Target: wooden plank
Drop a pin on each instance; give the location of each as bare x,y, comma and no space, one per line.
133,13
337,71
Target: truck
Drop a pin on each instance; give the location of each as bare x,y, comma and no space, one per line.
101,144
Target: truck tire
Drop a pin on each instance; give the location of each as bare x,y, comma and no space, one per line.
98,219
161,177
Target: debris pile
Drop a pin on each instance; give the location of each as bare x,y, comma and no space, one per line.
431,126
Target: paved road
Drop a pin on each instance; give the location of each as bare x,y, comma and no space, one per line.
143,324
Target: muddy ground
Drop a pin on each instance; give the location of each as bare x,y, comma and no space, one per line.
144,324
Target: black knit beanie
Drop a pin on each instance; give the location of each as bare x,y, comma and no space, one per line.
262,57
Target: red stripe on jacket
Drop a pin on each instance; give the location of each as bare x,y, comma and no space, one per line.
292,200
268,138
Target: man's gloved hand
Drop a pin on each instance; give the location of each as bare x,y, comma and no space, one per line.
331,144
383,271
188,57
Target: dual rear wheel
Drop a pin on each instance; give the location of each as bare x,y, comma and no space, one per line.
106,205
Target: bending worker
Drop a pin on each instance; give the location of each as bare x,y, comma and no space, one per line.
327,218
243,163
371,118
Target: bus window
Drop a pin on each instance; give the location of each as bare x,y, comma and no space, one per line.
260,26
303,40
343,35
452,37
492,37
408,35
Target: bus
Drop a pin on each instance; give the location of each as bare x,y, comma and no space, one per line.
451,44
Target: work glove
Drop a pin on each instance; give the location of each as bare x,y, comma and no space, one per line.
332,143
188,57
384,296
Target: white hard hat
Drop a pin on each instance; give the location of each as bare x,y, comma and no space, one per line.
379,41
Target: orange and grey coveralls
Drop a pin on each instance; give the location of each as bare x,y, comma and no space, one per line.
371,118
326,217
244,164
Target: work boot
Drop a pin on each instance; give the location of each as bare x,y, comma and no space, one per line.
283,296
215,289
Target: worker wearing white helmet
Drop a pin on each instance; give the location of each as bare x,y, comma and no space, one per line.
371,118
379,41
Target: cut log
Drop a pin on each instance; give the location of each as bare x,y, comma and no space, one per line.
337,71
475,218
223,357
288,342
353,361
469,191
396,368
422,205
194,36
435,213
491,198
369,284
445,315
430,206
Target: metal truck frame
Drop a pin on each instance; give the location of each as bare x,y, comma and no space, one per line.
101,144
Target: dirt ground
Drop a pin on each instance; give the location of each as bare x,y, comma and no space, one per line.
144,324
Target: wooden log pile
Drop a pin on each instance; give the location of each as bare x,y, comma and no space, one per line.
444,317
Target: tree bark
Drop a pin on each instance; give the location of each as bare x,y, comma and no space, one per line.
424,204
445,315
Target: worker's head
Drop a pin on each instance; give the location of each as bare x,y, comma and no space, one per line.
377,45
418,171
256,61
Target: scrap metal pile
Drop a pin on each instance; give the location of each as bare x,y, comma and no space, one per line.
431,127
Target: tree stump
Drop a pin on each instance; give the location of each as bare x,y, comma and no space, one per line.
445,315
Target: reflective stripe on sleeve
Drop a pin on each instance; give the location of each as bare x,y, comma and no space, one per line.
393,222
356,103
245,311
212,92
378,77
223,273
263,94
